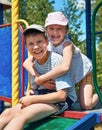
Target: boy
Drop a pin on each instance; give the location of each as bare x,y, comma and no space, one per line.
44,102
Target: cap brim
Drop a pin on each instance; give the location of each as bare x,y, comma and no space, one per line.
34,27
57,23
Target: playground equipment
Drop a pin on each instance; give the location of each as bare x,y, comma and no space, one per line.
94,51
4,4
6,64
7,58
87,120
61,123
15,54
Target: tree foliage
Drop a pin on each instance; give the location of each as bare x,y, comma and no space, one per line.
73,13
33,11
98,29
98,20
99,63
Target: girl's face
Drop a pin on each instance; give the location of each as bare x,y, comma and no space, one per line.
37,47
56,33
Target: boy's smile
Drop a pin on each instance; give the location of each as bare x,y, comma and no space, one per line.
37,46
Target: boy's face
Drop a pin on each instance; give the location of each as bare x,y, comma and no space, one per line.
37,46
56,33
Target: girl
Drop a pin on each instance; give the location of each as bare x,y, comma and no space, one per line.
81,67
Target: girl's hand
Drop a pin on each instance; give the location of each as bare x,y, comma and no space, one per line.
38,80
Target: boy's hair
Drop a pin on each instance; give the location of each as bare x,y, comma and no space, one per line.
34,30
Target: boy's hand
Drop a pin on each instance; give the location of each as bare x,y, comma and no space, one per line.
25,101
49,84
30,92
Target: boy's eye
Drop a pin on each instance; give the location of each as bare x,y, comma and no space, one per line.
39,42
30,44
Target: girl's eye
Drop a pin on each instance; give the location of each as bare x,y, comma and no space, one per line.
60,29
51,29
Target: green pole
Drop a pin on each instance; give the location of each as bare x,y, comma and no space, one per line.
94,52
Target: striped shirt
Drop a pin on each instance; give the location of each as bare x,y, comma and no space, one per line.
63,81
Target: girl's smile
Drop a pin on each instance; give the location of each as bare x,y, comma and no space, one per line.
56,33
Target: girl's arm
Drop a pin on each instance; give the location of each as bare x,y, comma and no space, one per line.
28,65
61,68
54,97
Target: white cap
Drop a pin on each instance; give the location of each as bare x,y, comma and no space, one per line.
56,18
35,27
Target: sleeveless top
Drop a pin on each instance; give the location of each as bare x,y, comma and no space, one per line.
81,65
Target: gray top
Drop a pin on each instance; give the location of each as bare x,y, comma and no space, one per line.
81,65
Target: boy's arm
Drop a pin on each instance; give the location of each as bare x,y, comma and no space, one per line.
54,97
30,92
28,65
59,69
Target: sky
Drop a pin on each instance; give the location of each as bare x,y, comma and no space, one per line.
58,6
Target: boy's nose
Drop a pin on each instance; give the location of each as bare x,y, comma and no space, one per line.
35,46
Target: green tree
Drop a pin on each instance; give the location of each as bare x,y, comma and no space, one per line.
73,13
98,20
33,11
99,63
98,29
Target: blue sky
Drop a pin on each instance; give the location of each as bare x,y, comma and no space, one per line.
59,5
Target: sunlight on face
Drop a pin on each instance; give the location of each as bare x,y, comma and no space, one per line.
37,45
56,33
